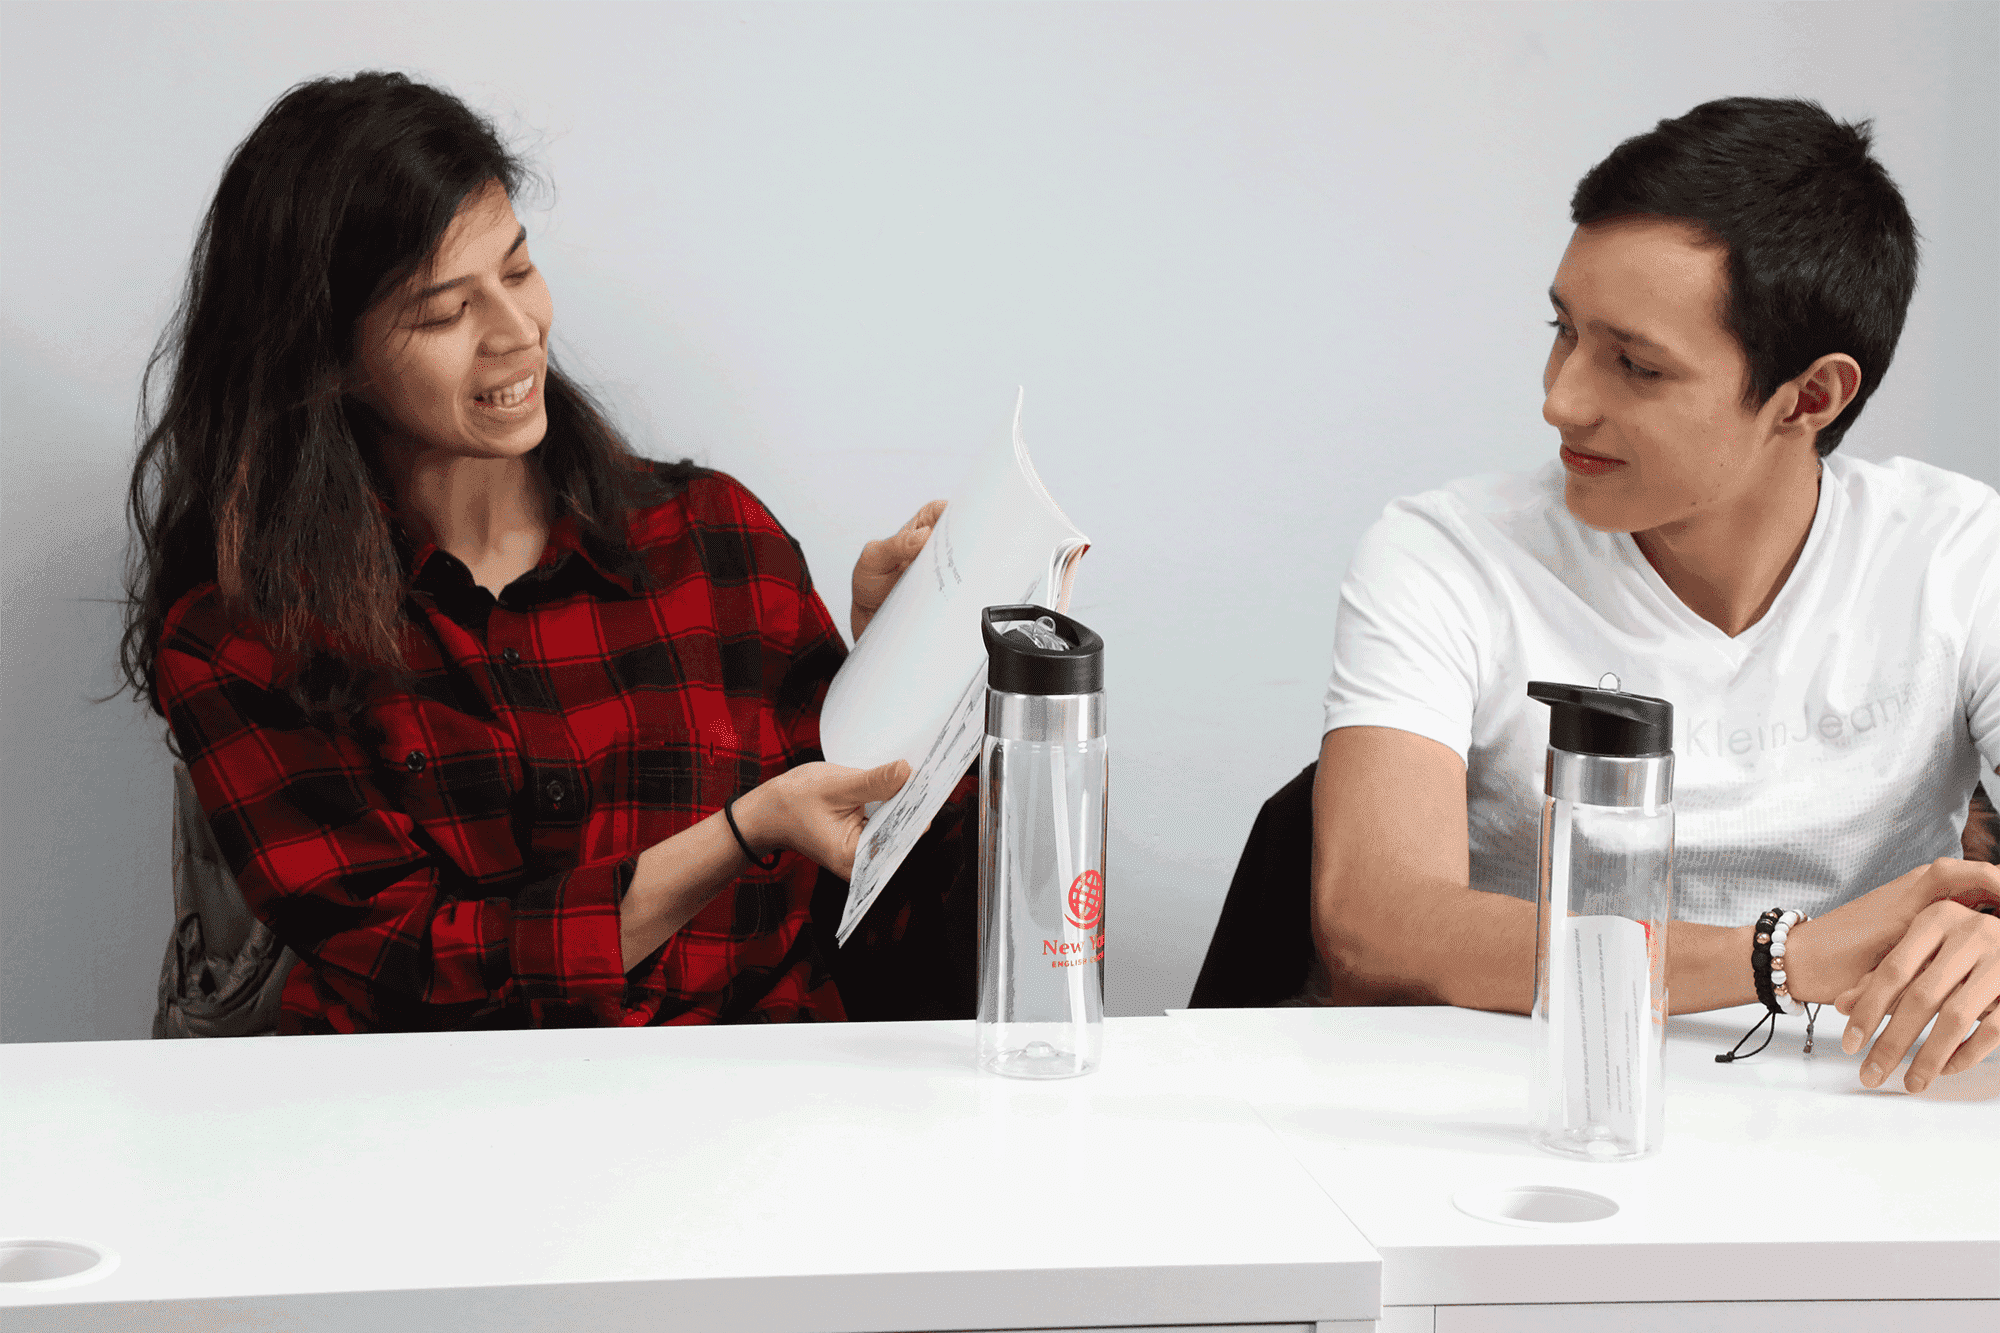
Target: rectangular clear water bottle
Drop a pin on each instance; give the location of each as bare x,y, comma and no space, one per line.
1607,878
1042,810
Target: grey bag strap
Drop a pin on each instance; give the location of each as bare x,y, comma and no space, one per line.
224,970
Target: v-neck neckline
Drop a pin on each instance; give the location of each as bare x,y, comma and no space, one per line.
1738,647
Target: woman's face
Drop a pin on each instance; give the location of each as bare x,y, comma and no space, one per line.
1646,385
456,366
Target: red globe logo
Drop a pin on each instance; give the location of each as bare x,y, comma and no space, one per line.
1086,900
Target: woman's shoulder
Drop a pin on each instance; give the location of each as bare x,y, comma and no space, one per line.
203,634
732,530
678,494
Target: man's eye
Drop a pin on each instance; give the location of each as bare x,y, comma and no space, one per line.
1636,371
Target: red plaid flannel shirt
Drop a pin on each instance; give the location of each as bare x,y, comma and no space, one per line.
457,858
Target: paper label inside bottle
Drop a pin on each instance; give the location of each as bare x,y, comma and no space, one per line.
1606,999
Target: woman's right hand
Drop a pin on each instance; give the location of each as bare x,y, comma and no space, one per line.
1830,954
817,810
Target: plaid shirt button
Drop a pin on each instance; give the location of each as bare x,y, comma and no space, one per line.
510,657
414,761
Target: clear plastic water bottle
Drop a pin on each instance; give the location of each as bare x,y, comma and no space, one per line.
1607,880
1042,775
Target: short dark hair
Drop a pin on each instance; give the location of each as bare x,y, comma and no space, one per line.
1822,254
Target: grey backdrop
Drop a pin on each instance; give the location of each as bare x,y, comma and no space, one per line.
1260,268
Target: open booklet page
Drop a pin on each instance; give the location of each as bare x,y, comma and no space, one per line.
914,686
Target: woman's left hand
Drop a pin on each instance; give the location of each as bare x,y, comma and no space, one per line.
883,562
1947,965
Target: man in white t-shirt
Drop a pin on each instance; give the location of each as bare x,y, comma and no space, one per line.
1827,629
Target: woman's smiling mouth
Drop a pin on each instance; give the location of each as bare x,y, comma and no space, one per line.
508,396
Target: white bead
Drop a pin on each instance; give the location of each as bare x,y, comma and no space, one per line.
1777,978
1777,950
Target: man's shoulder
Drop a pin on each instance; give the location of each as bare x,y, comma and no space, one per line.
1902,478
1483,516
1902,502
1496,498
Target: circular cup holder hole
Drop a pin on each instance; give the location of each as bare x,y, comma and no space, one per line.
52,1262
1534,1205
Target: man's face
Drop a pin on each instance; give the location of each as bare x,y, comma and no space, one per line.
457,366
1644,382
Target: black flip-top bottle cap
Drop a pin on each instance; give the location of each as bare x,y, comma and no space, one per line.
1609,722
1016,664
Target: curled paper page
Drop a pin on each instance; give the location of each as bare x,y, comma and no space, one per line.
914,687
1000,534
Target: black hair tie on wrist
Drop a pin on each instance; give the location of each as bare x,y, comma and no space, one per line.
761,862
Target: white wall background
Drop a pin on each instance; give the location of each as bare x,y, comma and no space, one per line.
1260,267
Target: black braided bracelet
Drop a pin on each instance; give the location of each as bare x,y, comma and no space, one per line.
762,863
1767,992
1760,959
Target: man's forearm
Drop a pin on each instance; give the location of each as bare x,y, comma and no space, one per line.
1708,967
1476,950
1428,944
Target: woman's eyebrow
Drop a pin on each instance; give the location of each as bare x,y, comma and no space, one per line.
1622,335
436,289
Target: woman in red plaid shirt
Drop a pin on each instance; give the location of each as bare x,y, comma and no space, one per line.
469,691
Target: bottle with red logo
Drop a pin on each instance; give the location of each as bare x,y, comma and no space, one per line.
1042,775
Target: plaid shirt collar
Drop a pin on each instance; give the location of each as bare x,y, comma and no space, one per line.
572,555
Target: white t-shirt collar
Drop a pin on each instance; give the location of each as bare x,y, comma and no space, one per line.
1738,648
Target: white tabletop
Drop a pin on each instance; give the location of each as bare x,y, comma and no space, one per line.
854,1177
826,1177
1780,1178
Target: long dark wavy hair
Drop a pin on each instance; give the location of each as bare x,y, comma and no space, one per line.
256,471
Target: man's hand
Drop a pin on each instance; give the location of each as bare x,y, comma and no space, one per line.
817,810
883,562
1946,966
1830,955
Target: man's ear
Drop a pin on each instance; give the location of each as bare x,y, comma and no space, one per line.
1823,392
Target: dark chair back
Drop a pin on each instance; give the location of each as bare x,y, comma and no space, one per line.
1262,948
916,954
224,970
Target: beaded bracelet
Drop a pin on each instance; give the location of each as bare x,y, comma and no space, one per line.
1767,972
1760,959
1777,956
